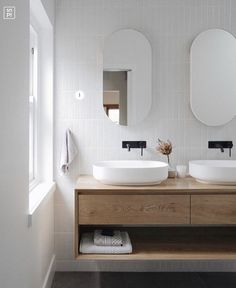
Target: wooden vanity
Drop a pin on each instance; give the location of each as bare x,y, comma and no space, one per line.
178,219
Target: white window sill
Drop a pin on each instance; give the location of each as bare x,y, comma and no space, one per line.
37,196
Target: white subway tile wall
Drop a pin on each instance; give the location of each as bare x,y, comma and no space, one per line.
170,26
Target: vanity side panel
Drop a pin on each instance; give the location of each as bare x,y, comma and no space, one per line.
133,209
213,209
76,226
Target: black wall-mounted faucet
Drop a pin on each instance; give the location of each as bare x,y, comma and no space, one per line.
221,145
134,144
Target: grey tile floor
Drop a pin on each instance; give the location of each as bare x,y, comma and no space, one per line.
143,280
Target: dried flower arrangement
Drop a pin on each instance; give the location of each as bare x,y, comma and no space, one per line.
165,148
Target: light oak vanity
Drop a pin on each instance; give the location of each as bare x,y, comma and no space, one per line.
178,219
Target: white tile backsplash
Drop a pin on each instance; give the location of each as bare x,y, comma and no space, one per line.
170,26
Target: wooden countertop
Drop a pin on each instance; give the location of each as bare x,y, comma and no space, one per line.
87,184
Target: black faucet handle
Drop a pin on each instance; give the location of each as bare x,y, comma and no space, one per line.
128,147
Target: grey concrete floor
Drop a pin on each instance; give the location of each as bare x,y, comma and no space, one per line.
143,280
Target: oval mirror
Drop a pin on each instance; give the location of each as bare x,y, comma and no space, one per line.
212,77
127,77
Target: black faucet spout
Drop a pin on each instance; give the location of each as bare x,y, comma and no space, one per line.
220,147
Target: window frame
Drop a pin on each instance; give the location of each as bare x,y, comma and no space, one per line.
33,106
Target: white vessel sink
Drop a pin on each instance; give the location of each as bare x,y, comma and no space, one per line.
214,171
130,172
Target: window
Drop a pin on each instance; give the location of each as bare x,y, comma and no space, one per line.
33,107
41,105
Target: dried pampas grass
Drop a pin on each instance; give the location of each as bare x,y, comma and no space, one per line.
164,148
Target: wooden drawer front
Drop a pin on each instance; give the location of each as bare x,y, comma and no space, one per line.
213,209
133,209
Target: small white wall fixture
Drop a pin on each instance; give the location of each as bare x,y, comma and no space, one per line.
212,77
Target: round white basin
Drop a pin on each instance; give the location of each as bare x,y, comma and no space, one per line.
130,172
214,171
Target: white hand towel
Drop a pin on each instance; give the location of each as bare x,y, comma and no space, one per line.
87,245
101,240
68,152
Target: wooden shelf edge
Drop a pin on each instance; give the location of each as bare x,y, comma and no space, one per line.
133,257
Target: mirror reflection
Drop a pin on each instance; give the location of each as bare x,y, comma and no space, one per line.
115,95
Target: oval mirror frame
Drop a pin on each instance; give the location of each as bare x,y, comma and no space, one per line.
212,77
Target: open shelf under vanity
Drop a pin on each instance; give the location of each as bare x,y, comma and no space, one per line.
174,243
178,220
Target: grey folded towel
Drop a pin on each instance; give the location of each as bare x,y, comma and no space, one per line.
87,245
101,240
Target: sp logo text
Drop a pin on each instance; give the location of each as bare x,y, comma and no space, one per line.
9,12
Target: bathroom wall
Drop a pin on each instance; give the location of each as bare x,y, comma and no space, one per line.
14,238
170,26
26,252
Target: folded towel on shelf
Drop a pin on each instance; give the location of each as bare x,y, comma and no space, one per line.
68,152
87,245
101,240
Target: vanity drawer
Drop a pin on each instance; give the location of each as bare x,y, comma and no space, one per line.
133,209
213,209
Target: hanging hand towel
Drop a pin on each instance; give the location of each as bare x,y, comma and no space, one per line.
68,152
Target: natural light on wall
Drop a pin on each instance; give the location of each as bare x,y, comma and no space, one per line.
33,60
